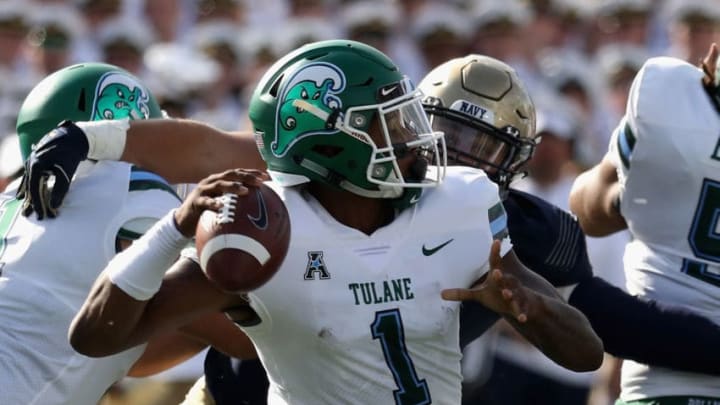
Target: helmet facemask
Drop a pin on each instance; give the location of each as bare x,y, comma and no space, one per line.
500,152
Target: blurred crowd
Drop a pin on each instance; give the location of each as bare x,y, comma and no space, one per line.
201,58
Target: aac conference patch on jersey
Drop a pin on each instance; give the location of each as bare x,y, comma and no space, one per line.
498,221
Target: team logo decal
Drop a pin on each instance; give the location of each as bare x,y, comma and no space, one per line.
119,96
316,265
317,84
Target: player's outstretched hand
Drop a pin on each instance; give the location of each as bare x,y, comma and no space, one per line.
204,196
498,291
53,160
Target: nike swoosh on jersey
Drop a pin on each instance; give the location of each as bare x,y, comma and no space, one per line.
432,251
260,221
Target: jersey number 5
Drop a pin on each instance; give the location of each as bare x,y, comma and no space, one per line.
704,236
388,328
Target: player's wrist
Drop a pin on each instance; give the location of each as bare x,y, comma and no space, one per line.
139,270
106,139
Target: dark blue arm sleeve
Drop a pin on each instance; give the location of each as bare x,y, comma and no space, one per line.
647,331
547,240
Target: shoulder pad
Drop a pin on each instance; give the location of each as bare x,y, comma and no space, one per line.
141,179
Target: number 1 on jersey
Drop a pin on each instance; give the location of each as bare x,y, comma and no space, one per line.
388,328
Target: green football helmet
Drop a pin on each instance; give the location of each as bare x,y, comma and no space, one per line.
315,113
82,92
486,113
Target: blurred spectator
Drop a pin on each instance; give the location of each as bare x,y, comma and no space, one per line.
230,11
322,9
500,32
55,28
123,41
442,32
96,13
298,31
16,77
219,102
165,16
572,76
617,66
371,22
694,25
176,74
622,22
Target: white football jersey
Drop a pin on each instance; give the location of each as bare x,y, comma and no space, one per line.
352,318
46,271
667,152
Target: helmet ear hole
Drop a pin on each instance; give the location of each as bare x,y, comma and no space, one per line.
329,151
274,89
81,101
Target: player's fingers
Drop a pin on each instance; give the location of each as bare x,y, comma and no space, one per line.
251,178
22,189
208,203
515,298
60,188
495,259
42,207
457,294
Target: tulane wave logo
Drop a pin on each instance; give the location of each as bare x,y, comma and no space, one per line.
317,84
119,96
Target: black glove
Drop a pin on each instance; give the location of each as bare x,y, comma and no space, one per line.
57,156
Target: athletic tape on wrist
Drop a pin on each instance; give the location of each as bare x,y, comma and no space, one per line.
106,138
139,269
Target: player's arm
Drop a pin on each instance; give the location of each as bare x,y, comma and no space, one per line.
181,151
648,331
595,199
134,299
185,151
165,351
533,307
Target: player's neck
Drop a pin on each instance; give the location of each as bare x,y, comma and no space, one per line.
364,214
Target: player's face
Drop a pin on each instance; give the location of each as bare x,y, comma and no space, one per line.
401,130
471,146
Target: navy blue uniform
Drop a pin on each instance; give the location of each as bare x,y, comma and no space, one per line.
549,241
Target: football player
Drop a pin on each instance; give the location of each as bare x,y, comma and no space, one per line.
359,296
661,180
48,267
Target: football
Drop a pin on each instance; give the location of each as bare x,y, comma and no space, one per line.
243,245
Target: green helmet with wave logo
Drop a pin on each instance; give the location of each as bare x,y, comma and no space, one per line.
82,92
314,112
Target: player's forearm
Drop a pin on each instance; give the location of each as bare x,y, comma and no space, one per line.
164,352
594,199
562,333
104,322
649,332
185,151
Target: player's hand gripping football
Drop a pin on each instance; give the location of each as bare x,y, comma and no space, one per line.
203,197
55,158
498,291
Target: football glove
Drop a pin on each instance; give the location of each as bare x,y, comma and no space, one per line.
50,168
